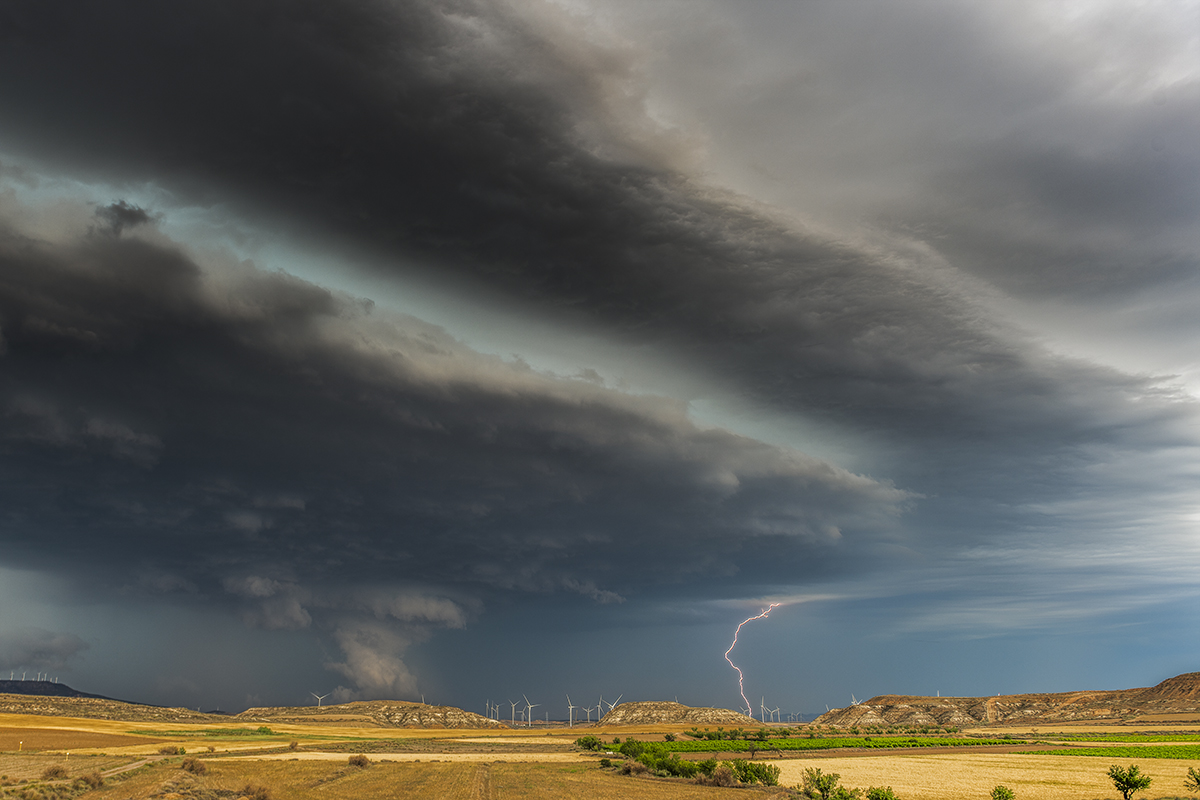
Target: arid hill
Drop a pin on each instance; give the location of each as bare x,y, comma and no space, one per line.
1174,696
97,708
373,714
44,689
668,713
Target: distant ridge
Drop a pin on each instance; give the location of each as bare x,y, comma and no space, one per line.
46,689
374,713
1173,698
668,713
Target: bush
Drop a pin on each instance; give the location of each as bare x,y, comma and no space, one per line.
194,766
749,772
707,766
843,793
171,750
881,793
670,737
1192,781
293,745
589,743
359,761
606,762
252,792
634,768
818,786
92,780
1003,793
720,776
54,773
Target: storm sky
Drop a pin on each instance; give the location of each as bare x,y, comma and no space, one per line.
469,349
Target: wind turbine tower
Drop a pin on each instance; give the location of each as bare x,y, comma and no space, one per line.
529,707
570,713
319,697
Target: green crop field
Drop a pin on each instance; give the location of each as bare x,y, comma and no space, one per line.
1131,738
886,742
1149,751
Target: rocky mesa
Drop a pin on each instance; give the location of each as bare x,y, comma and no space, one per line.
372,713
1173,697
670,713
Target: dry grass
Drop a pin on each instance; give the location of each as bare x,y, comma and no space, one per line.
963,776
30,767
412,781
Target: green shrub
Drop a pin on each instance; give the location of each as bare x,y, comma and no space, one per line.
818,785
707,766
881,793
669,737
752,772
1003,793
589,743
606,762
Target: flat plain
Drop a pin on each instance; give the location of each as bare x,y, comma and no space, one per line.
512,763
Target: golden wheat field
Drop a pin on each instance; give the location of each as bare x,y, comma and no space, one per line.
492,765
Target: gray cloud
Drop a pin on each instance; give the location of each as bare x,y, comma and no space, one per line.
38,648
899,178
420,463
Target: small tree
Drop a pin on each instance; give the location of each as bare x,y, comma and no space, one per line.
818,786
1192,781
1129,780
881,793
1003,793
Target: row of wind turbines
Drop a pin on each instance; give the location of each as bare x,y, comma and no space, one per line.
493,711
41,676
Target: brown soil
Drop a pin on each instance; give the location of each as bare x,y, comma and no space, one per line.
54,739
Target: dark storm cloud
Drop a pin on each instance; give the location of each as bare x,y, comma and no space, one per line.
464,134
261,442
38,648
270,445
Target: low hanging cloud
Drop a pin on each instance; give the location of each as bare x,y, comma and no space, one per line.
314,462
38,648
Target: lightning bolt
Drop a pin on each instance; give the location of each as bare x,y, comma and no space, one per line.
741,687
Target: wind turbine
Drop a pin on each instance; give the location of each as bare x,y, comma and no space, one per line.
615,703
762,710
570,713
775,714
529,707
319,697
514,713
588,710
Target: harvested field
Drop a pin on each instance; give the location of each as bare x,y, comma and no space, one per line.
65,739
314,780
967,775
30,767
428,757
